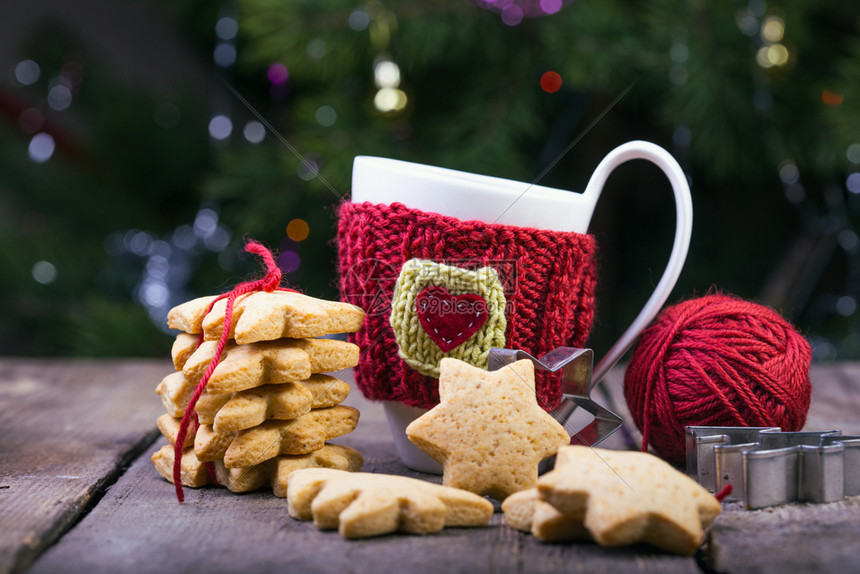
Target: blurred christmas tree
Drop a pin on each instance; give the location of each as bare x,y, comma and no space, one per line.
760,101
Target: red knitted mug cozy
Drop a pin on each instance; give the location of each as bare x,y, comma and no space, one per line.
549,278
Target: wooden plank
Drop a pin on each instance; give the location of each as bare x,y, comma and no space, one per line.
139,527
790,538
799,537
66,430
835,398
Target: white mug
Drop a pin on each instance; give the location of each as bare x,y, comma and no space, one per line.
468,196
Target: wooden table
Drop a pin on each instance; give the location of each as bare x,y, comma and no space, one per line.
78,493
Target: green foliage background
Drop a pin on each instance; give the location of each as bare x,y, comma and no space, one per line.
680,73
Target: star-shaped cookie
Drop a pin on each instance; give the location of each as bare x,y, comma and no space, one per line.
250,447
255,364
274,472
488,431
619,497
299,436
284,401
265,316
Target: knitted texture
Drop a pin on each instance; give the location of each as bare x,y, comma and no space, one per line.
549,279
716,361
445,311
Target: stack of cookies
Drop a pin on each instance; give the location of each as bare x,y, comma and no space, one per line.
267,409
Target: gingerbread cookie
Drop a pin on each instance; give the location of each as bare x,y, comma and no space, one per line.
361,505
488,431
525,511
208,444
266,316
252,446
619,498
298,436
183,347
252,407
270,362
175,391
250,387
273,473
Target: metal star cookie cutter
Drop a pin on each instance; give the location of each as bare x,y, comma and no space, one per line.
768,467
576,384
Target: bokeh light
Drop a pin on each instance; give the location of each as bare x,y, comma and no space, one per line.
224,55
772,55
153,293
226,28
773,29
316,49
44,272
298,229
852,182
278,74
777,54
550,6
512,15
390,100
137,242
27,72
205,222
515,11
789,173
218,240
326,116
550,82
679,53
359,20
386,74
41,147
682,136
220,127
308,169
254,132
184,237
846,305
848,240
59,97
747,22
289,261
831,98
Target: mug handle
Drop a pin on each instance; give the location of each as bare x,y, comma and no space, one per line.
683,230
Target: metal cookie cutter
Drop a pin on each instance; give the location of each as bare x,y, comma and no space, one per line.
767,467
576,384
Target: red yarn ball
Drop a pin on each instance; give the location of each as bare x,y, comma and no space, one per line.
716,361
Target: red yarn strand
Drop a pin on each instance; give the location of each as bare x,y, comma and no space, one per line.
724,492
269,282
210,468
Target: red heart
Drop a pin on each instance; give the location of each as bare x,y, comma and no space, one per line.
449,320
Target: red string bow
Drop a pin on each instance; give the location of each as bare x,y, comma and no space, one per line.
270,282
